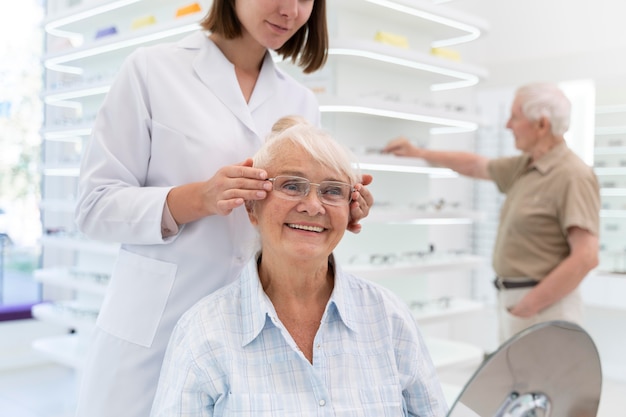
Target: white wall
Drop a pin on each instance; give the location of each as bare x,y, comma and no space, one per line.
549,40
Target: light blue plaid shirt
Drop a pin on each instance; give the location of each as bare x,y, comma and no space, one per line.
230,355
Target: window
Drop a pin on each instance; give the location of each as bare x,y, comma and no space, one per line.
20,143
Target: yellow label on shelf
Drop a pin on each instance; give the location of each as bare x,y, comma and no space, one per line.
189,9
392,39
446,53
143,21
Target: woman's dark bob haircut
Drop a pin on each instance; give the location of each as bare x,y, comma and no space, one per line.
307,48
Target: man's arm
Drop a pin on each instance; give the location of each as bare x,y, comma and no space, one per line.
565,277
465,163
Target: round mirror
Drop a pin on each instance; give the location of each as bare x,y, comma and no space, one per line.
551,369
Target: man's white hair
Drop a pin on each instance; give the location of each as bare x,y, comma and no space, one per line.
546,100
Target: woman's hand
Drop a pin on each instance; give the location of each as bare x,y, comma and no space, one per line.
228,189
232,185
362,200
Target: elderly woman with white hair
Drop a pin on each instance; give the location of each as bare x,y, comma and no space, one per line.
296,335
547,237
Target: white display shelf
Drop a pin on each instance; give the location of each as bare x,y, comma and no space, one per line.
613,192
392,163
432,313
446,353
78,244
369,271
62,277
440,121
610,150
613,214
79,91
58,205
67,350
60,313
610,171
66,133
62,170
72,18
415,216
155,33
610,130
611,108
444,74
446,25
89,14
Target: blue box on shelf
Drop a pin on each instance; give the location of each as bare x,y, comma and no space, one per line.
107,31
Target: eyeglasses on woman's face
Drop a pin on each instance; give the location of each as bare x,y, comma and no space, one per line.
333,193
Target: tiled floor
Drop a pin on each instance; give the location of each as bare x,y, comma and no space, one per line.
50,391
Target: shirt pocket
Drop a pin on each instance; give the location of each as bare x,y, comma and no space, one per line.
253,405
376,401
136,297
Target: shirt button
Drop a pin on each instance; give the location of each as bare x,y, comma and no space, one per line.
322,403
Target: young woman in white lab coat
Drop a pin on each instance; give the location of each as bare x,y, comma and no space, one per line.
166,173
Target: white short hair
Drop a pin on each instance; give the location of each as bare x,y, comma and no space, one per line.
314,141
546,100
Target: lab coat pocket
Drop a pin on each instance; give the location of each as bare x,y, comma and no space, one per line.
136,298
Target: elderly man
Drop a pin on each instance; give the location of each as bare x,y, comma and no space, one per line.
547,237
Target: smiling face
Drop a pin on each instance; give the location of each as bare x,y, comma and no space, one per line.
299,230
272,22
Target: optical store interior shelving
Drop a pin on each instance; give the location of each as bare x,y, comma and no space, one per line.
382,80
86,43
386,77
610,167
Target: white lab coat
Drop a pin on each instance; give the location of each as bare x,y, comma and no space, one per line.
174,115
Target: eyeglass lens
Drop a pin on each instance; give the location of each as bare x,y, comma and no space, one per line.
334,193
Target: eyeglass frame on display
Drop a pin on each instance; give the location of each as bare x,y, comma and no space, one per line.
392,258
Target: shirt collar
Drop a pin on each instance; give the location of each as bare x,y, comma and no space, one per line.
340,300
551,159
257,310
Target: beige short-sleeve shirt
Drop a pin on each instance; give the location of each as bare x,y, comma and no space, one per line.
543,200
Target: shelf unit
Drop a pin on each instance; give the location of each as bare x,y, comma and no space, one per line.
610,167
445,263
370,92
80,64
380,88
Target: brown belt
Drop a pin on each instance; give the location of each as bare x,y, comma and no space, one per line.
500,284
